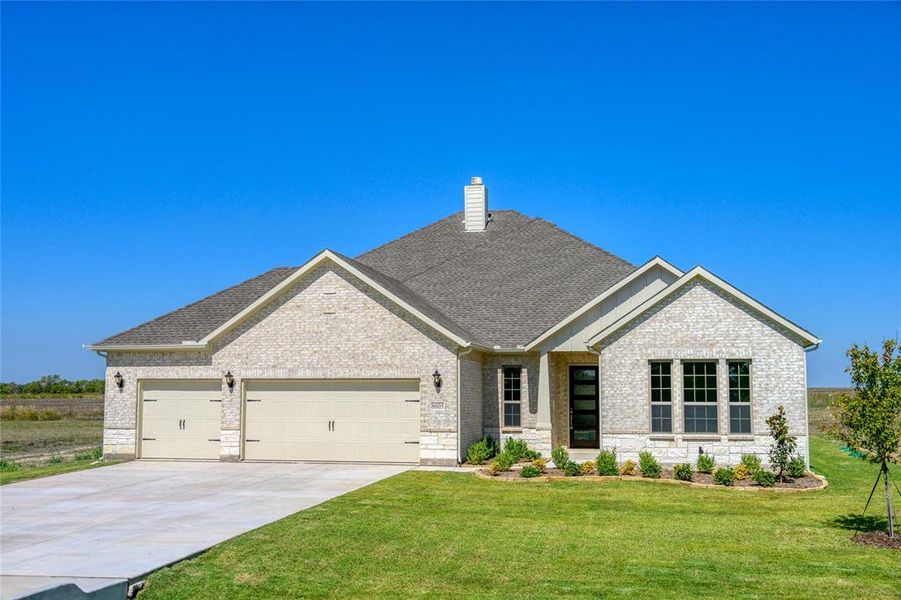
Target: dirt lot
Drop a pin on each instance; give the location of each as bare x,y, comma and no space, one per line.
81,427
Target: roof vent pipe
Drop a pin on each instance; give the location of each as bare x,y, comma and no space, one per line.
475,205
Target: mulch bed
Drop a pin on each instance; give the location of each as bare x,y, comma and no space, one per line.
806,482
878,539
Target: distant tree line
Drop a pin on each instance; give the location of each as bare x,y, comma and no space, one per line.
53,385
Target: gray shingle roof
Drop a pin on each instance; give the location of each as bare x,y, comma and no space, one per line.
501,287
194,321
508,284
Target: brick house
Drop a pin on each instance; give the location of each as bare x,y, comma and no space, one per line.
482,323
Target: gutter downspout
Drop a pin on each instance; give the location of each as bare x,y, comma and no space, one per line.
600,412
807,403
460,355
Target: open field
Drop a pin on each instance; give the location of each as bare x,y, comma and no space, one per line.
80,426
818,402
453,535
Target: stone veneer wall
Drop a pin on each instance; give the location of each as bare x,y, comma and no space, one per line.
328,325
700,322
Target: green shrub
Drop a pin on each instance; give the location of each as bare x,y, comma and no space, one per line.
540,464
572,469
741,472
7,466
502,462
763,478
724,476
560,456
97,453
531,454
515,448
482,451
607,462
752,461
530,471
588,467
648,465
706,463
682,472
628,468
796,467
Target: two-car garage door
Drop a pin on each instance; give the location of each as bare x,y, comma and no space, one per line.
318,420
332,420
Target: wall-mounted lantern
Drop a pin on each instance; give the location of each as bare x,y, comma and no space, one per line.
120,381
436,379
229,380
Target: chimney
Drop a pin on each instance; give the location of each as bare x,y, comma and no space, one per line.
475,203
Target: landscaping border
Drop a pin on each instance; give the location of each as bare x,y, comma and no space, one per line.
599,478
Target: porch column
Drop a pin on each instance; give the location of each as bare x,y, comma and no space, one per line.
544,392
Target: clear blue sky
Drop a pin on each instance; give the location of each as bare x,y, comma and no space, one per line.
155,153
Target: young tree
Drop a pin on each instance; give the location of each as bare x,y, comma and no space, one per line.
869,420
784,445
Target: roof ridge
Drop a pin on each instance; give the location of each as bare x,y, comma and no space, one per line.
464,251
196,302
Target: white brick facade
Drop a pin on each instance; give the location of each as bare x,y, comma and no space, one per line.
328,325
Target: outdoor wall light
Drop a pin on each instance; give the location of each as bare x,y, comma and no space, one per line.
230,380
436,378
120,381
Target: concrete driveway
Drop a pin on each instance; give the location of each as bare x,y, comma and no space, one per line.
106,527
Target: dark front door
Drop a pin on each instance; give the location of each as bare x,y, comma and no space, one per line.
583,407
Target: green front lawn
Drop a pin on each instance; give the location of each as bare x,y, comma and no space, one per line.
452,535
46,469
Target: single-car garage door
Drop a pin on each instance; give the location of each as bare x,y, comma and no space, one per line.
332,420
180,419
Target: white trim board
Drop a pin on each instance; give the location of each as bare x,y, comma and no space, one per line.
702,273
654,262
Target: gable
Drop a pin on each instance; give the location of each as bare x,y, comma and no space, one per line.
329,319
700,278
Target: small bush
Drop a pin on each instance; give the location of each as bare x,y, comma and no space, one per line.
8,466
682,472
763,478
540,464
587,467
531,454
482,451
572,469
648,465
502,462
741,472
530,470
796,467
607,463
628,468
752,461
516,449
560,456
97,453
724,476
55,459
706,463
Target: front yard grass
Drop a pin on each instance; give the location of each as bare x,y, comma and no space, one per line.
47,469
453,535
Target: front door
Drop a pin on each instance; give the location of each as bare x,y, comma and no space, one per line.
583,407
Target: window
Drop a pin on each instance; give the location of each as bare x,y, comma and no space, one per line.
739,396
661,398
512,395
699,389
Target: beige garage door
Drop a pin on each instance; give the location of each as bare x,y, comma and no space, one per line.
332,420
180,419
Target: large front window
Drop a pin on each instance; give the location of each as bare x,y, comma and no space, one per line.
512,396
699,391
661,397
739,396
